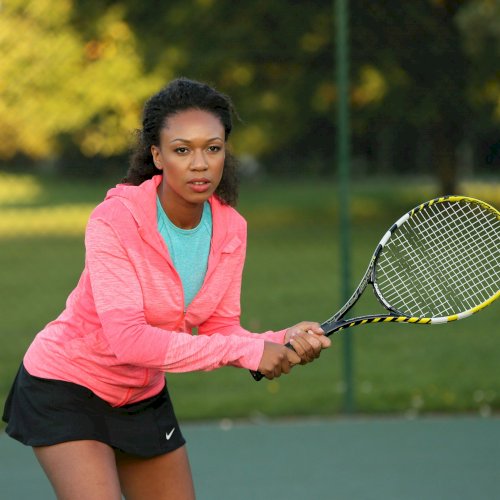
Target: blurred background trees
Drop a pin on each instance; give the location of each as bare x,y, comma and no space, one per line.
425,81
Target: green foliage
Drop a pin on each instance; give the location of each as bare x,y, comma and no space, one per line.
54,81
423,76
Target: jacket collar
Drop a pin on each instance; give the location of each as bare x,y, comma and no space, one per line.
141,202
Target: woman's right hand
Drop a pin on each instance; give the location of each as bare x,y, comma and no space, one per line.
277,359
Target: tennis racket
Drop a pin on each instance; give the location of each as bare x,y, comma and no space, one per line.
439,262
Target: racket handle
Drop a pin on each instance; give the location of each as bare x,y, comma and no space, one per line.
257,376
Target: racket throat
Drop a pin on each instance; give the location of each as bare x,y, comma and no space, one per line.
337,326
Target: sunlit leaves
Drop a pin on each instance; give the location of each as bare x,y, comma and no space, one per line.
53,81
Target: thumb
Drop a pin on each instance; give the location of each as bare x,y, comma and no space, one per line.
293,357
315,329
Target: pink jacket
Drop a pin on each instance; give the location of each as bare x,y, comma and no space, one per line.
124,323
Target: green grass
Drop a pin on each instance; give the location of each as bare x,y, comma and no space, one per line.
291,274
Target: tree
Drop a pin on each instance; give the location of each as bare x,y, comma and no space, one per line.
409,73
417,47
78,77
479,23
273,58
55,82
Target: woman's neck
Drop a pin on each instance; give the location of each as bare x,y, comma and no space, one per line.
183,215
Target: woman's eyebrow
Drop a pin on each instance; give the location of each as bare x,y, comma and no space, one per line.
180,139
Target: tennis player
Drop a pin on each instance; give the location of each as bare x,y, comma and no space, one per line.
164,255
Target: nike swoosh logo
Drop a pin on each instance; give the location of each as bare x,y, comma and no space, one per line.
168,435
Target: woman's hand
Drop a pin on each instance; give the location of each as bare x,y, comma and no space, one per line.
277,359
308,340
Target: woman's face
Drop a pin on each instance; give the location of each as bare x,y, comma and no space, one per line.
191,155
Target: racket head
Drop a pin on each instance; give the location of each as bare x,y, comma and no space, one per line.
440,261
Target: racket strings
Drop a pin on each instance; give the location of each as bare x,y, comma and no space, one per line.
462,258
467,258
433,275
412,253
400,276
405,292
443,260
461,271
480,266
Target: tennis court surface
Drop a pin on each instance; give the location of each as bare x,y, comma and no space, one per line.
433,458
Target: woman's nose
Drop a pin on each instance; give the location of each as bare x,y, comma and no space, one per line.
199,161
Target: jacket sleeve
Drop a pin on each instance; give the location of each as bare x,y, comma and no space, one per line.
118,300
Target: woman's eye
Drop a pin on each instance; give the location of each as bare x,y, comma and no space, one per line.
181,150
214,149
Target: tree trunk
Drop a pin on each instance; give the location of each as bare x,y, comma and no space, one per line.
445,158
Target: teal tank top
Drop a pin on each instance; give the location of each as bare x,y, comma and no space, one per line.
188,248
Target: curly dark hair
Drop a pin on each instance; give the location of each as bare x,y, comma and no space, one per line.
180,95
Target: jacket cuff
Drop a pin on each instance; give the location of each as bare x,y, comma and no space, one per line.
276,337
250,354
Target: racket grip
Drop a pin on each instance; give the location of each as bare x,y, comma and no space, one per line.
257,376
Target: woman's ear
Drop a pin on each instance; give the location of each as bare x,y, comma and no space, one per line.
156,153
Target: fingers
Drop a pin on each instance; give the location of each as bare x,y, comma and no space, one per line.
308,340
307,346
293,357
277,359
313,328
325,341
289,359
304,327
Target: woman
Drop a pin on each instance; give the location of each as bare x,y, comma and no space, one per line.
164,254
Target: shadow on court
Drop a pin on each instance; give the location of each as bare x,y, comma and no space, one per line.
352,459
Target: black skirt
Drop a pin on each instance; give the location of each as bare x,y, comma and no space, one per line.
42,412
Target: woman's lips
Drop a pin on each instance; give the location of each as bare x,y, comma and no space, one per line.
199,185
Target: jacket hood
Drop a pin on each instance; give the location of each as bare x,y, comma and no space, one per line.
141,202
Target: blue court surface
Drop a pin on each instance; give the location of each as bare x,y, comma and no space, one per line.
432,458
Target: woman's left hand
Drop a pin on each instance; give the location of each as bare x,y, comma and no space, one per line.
308,340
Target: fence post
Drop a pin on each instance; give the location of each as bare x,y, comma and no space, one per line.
341,18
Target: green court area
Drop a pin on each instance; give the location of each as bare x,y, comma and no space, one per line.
435,458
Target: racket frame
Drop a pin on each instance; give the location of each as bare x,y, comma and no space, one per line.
336,322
